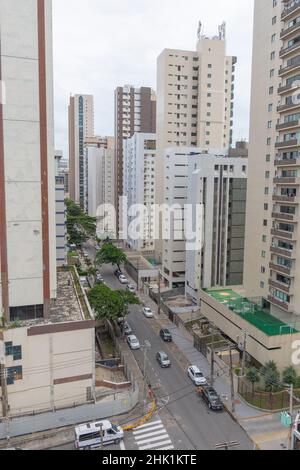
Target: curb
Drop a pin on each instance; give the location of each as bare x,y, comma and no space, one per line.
143,420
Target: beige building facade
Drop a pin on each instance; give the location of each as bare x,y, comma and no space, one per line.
195,95
27,167
81,126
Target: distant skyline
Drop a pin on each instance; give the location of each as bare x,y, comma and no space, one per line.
108,44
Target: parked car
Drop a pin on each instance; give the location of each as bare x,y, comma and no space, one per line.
99,278
211,398
196,376
85,254
126,328
118,273
133,342
123,279
166,336
148,312
163,359
131,288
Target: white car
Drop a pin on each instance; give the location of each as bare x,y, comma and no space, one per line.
123,279
196,376
131,288
133,342
148,312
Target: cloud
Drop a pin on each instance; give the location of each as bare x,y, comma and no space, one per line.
102,44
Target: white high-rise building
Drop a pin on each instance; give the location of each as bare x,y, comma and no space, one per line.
195,93
217,185
27,175
81,126
139,188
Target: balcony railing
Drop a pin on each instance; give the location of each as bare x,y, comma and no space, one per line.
290,8
287,50
280,269
286,180
281,216
288,125
288,106
289,68
279,285
287,161
279,303
285,32
280,251
288,199
288,143
283,234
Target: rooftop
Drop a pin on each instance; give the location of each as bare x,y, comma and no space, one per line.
252,311
66,308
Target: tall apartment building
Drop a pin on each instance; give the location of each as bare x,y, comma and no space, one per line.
135,111
100,173
139,187
81,126
27,176
217,183
272,252
60,213
195,94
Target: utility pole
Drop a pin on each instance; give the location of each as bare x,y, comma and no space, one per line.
232,383
212,365
4,391
146,346
159,293
291,438
244,354
101,435
138,274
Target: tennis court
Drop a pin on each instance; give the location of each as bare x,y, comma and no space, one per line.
251,312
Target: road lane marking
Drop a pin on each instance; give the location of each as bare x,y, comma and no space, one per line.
156,446
142,431
149,424
122,445
152,434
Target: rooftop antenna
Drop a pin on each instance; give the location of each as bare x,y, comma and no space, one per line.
222,31
200,30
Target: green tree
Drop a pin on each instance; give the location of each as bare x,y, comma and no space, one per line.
253,377
110,254
106,303
272,380
271,365
289,376
80,226
297,384
111,304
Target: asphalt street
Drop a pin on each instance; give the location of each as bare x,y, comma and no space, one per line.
202,428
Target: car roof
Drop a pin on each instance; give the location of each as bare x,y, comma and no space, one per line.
162,353
132,337
195,369
165,330
85,428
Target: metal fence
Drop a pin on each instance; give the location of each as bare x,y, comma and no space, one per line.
271,401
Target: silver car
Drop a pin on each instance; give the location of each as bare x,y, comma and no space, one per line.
133,342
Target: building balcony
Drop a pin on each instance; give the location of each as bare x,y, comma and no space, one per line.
285,33
286,161
280,286
285,51
288,144
289,68
285,306
283,235
287,180
282,252
291,8
281,216
288,125
288,199
281,269
287,107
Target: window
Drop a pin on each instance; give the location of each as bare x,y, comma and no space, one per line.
271,90
13,374
9,349
263,254
268,158
274,20
269,124
270,108
17,353
272,73
262,285
264,238
272,55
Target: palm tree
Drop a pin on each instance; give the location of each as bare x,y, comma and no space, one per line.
253,377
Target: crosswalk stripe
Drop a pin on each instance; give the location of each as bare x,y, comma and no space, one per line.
153,439
154,446
143,431
149,424
167,448
151,434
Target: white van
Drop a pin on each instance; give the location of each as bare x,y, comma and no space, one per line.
88,436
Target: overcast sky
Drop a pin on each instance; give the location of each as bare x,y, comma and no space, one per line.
102,44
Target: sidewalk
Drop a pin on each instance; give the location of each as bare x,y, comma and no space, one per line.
265,429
